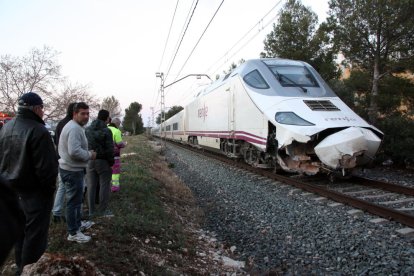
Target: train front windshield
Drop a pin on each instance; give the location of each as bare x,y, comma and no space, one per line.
290,75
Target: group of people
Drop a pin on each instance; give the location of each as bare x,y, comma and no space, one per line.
30,163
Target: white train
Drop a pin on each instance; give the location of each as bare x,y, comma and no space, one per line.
276,113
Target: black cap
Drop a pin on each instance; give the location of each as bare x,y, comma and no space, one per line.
30,99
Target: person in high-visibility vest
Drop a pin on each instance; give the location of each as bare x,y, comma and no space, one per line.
118,145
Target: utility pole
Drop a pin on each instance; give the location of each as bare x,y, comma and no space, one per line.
152,117
163,86
161,76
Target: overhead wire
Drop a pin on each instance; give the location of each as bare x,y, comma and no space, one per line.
243,37
234,45
195,46
247,42
168,36
182,34
176,52
184,25
165,47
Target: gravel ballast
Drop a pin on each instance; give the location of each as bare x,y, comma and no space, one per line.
275,227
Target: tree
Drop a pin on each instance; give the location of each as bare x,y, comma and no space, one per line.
112,105
296,36
173,110
375,35
132,121
18,75
65,94
39,72
395,106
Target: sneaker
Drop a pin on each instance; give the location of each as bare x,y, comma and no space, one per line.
107,214
86,224
79,237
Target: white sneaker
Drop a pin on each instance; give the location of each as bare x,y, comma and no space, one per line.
79,237
86,224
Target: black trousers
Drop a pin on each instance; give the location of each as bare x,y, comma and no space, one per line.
32,243
11,220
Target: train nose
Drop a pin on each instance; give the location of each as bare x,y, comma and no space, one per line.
348,147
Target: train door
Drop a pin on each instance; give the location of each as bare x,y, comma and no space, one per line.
231,111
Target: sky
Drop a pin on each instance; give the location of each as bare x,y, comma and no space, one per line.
117,46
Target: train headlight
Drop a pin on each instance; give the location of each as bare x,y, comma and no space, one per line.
290,118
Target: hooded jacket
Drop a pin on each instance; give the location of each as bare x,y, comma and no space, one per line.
28,158
62,123
100,140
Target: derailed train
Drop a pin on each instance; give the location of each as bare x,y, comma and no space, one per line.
276,113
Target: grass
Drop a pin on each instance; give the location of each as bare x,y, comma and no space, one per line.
150,230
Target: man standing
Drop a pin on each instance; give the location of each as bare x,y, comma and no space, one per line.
60,193
118,145
99,170
74,156
28,161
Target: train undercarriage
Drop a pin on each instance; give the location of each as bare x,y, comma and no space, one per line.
297,157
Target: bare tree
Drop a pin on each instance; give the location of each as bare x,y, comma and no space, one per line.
65,95
34,72
112,105
39,72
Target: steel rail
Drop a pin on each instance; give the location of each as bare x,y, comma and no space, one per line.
369,207
384,185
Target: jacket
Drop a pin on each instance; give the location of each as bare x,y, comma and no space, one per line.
62,123
100,140
28,158
73,147
117,138
59,128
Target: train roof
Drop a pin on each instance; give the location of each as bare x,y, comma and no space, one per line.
252,64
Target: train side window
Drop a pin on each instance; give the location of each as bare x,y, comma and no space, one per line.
255,79
168,128
175,126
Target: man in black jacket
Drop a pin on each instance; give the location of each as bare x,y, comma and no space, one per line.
28,161
99,171
57,210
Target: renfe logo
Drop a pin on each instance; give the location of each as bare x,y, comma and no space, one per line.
202,112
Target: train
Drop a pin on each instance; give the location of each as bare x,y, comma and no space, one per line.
276,113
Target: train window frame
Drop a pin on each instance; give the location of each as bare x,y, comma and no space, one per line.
258,77
290,81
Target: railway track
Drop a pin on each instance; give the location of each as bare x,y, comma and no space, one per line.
387,200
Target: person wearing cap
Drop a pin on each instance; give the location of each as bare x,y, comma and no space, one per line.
28,161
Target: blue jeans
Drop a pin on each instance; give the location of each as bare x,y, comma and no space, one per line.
73,182
59,199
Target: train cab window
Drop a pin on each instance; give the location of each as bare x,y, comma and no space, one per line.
289,76
255,79
175,126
